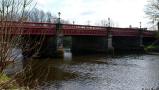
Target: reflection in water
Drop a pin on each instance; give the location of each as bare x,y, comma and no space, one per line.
97,72
39,72
67,55
16,55
130,72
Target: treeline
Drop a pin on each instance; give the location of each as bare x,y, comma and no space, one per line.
35,15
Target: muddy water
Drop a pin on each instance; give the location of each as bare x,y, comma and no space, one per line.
98,72
95,72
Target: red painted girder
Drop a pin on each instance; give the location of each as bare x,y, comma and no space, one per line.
38,32
84,30
83,27
35,28
149,33
30,32
30,28
81,32
124,32
29,23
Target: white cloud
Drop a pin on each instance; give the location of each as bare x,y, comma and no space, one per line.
124,12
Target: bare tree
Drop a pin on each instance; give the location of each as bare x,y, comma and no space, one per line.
42,16
65,21
48,17
152,10
13,16
34,15
37,15
106,23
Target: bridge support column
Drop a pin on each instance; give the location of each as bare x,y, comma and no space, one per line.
59,40
158,26
141,38
141,41
110,41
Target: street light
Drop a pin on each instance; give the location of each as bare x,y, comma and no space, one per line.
140,25
73,22
59,15
109,22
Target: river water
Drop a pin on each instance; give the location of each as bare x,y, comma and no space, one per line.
98,72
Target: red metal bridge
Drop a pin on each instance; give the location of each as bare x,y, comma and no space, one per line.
32,28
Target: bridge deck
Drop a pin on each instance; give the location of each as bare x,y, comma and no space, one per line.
33,28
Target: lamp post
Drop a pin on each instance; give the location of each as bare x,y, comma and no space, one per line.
73,22
141,35
140,25
158,26
108,22
59,36
110,41
59,17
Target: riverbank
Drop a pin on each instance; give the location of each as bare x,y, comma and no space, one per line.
6,82
152,53
9,83
152,48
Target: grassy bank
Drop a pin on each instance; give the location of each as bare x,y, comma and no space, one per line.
151,48
8,83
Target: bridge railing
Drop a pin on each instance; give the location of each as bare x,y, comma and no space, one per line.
39,24
39,28
35,28
83,27
149,33
26,28
70,29
124,31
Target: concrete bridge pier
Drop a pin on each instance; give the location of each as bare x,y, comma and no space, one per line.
53,45
110,49
59,41
141,38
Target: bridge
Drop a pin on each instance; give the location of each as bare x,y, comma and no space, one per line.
34,28
84,38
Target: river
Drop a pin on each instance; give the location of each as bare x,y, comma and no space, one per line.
98,72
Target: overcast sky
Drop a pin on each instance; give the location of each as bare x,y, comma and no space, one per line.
122,12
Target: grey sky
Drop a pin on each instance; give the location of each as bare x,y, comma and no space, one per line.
122,12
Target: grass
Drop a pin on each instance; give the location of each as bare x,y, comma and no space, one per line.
4,78
7,83
151,47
